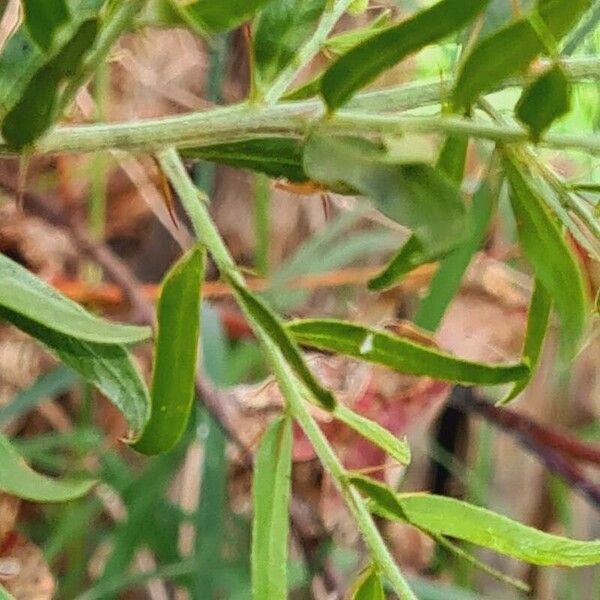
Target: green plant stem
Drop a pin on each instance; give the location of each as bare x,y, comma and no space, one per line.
194,202
295,119
288,120
313,46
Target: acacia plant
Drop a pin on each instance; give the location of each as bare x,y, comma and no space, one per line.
332,134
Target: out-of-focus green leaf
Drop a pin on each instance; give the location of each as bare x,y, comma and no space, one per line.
275,157
269,323
463,521
176,355
414,195
27,295
271,494
400,354
17,479
544,100
279,32
398,449
551,257
446,281
367,586
513,47
537,324
48,385
43,18
365,62
208,16
4,595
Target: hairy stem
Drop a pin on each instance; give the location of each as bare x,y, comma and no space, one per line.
196,207
295,119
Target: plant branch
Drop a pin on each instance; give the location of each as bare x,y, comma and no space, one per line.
295,119
552,447
193,202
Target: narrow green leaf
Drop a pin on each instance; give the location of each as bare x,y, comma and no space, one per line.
275,157
410,256
176,355
270,324
64,327
385,499
398,449
512,47
43,18
537,324
414,195
17,479
271,495
365,62
279,32
551,257
453,157
108,367
27,295
400,354
367,586
463,521
208,16
446,281
47,385
36,110
544,100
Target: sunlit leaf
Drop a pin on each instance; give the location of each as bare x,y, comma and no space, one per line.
551,257
176,355
17,479
544,100
400,354
537,324
365,62
271,495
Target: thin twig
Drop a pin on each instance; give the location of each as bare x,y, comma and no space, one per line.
552,447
